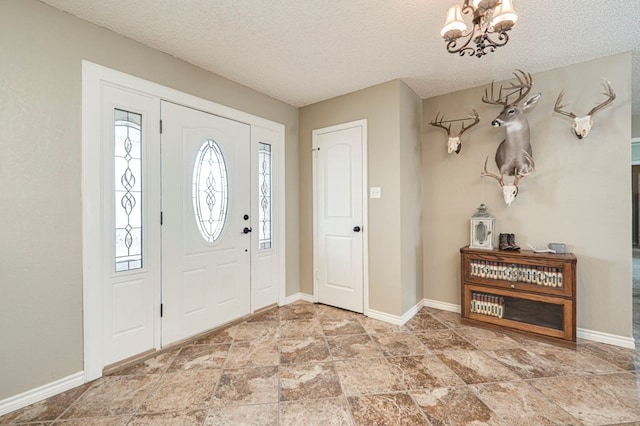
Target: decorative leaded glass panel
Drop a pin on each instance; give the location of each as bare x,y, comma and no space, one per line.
128,190
210,191
264,195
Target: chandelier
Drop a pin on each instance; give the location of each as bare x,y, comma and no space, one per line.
491,20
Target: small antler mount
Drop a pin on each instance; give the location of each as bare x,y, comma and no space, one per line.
582,125
454,144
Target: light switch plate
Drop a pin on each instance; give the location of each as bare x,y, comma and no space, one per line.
375,192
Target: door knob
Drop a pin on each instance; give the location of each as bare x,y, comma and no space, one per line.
246,230
356,229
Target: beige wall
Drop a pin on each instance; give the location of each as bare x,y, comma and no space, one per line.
411,197
635,126
40,172
381,105
580,193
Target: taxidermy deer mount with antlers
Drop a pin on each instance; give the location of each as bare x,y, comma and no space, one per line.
454,144
514,156
582,125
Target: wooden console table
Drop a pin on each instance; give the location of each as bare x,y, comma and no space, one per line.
528,292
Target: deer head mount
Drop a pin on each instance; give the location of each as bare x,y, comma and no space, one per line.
582,125
454,144
514,156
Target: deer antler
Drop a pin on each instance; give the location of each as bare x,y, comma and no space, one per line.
532,168
487,173
525,82
558,107
490,100
609,93
476,120
438,123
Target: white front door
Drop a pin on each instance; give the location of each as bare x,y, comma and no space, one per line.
206,283
338,214
206,225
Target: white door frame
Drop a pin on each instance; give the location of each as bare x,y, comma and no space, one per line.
365,210
93,78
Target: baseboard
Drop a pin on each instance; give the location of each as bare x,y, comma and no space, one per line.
382,316
609,339
43,392
595,336
395,319
298,296
444,306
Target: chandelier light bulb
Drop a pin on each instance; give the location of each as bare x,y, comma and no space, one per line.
504,16
454,25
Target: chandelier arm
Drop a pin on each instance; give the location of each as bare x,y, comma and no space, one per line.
452,46
485,44
468,9
502,39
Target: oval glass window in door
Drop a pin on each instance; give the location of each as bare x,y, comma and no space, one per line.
210,191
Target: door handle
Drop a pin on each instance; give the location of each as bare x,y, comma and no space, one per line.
246,230
356,229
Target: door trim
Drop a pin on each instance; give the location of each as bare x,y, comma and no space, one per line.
93,78
365,209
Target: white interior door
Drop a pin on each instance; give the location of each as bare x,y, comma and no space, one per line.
338,214
206,224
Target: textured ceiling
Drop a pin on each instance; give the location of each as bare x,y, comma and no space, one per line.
305,51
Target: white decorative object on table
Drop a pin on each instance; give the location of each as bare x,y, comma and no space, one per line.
482,229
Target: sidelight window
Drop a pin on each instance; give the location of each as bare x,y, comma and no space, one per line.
264,194
128,190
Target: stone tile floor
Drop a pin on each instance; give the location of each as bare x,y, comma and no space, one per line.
306,364
635,292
